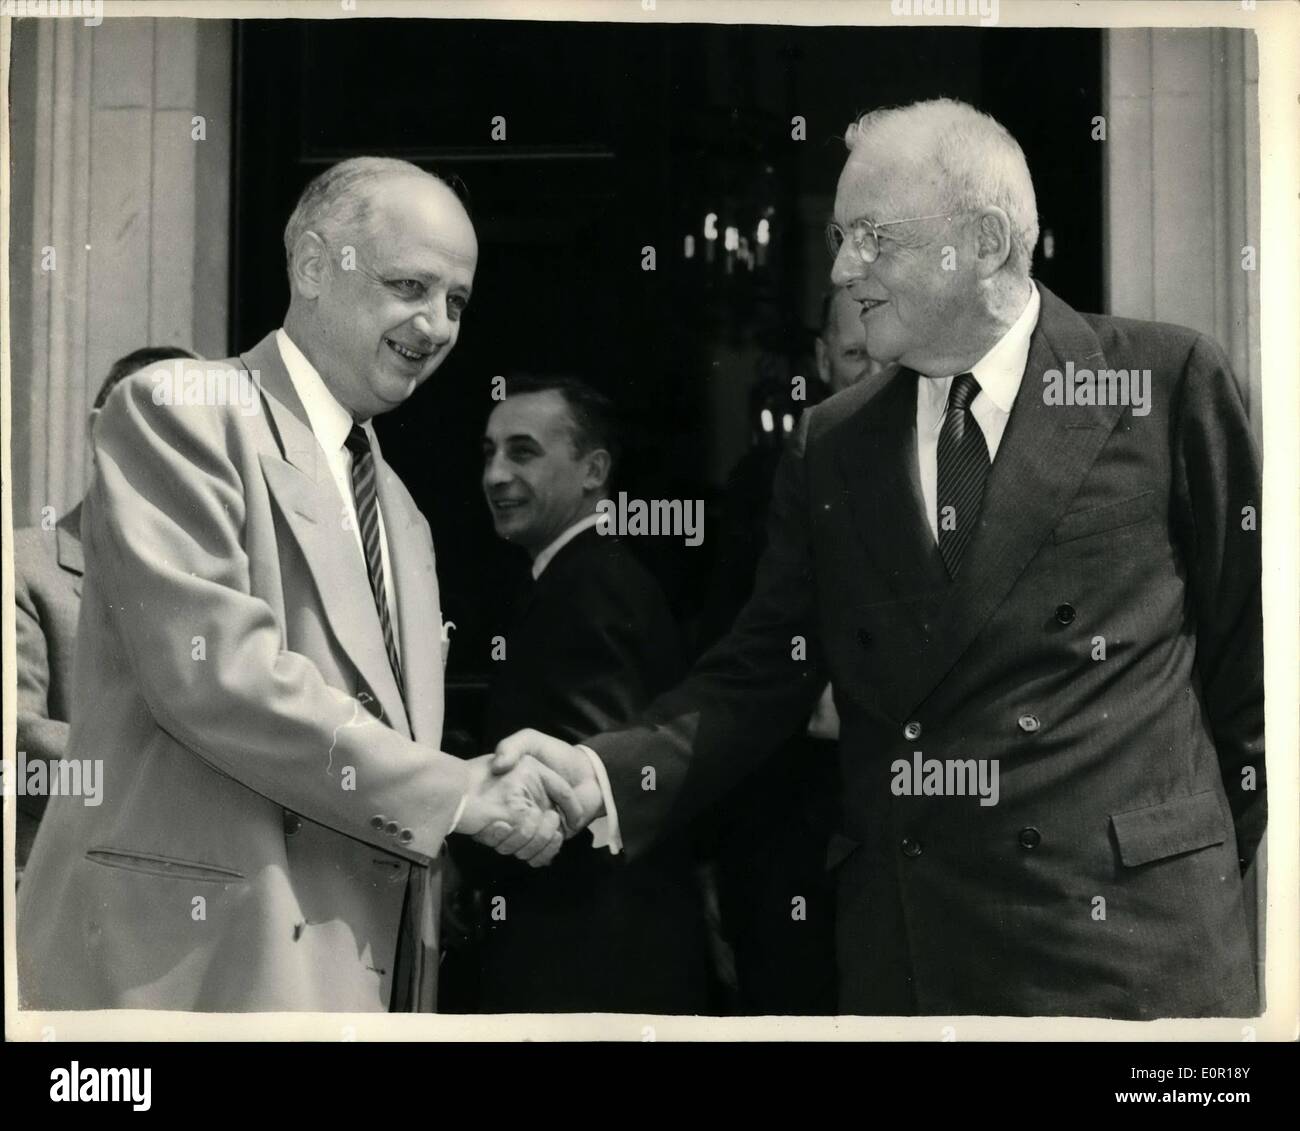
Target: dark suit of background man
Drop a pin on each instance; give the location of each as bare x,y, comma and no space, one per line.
1070,589
48,567
593,644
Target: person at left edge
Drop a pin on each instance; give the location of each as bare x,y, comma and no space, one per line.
258,657
48,566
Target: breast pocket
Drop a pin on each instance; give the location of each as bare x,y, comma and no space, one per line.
1105,518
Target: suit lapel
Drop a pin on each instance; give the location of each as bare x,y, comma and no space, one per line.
1044,456
877,460
309,502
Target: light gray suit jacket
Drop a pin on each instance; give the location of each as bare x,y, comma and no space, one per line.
258,824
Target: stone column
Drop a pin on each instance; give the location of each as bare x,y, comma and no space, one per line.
120,235
1182,185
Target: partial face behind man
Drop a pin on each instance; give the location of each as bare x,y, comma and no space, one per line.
536,482
842,357
382,300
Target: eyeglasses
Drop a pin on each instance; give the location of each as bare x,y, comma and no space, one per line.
866,234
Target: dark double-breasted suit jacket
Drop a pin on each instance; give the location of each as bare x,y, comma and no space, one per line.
593,644
1102,642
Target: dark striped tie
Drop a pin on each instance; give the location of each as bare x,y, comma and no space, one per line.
367,503
963,469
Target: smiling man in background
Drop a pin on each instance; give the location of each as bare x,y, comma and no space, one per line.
594,642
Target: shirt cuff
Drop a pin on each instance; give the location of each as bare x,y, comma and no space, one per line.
604,830
460,812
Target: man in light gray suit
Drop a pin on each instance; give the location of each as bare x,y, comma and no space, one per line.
259,660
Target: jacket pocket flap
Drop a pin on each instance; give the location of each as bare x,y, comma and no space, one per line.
1111,516
839,849
163,866
1182,825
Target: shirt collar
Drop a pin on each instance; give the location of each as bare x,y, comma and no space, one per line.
998,373
544,558
329,420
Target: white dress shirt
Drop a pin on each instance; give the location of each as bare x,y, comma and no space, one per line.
570,533
998,374
330,423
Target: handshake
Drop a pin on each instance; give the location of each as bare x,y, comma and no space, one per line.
530,796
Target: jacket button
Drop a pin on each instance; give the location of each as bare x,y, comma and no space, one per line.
1064,614
911,846
406,836
864,638
1029,837
391,828
292,823
912,731
1028,723
377,821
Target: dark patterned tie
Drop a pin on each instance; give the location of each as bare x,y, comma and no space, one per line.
367,503
963,469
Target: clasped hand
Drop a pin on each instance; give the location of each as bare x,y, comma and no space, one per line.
530,796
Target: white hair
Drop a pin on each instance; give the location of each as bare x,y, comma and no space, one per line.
980,164
338,200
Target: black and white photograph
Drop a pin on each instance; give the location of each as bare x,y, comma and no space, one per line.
650,521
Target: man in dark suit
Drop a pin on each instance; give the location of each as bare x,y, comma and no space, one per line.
48,566
594,642
1030,566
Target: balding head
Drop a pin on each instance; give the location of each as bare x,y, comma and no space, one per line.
381,263
340,200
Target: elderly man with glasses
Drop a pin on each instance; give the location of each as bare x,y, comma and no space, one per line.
1040,616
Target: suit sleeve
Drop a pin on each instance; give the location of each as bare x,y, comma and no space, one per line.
1218,489
38,735
164,527
745,696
